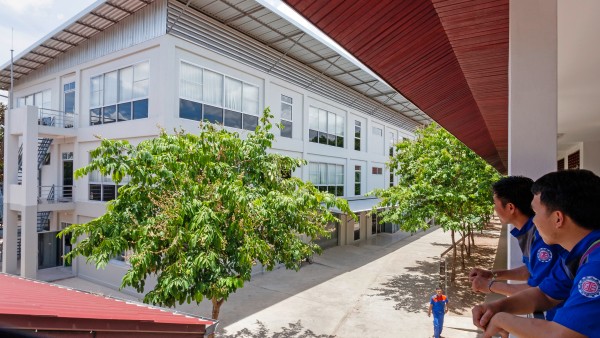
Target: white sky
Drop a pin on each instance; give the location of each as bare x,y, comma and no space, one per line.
31,20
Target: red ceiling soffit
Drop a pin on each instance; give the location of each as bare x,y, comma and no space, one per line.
449,57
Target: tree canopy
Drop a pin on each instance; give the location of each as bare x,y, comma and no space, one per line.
199,211
438,178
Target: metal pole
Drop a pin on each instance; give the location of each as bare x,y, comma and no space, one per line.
12,76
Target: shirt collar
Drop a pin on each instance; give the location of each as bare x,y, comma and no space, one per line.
526,227
581,247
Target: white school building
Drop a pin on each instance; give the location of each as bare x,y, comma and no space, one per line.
122,69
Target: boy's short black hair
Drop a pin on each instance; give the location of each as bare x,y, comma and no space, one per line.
515,190
576,193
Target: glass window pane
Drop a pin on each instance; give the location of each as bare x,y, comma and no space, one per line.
109,114
331,123
95,116
140,89
233,94
250,104
213,88
357,144
95,192
95,176
331,140
96,91
110,88
250,122
29,100
314,173
287,129
190,86
109,192
339,191
141,71
140,109
339,141
190,110
313,136
286,99
286,111
124,111
125,84
331,172
233,119
313,118
69,102
322,120
323,138
46,99
339,125
213,114
322,173
339,172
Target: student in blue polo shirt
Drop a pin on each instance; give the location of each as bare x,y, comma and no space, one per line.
566,205
438,304
512,203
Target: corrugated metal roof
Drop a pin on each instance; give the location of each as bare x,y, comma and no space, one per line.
255,20
31,304
94,19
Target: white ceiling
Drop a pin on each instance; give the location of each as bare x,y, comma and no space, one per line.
578,72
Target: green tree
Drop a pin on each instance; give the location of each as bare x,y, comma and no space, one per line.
199,211
438,178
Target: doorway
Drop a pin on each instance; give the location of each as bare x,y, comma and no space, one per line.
67,179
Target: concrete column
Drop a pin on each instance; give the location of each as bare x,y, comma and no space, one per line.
532,111
11,155
590,156
29,239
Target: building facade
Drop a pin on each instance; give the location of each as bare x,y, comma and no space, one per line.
168,65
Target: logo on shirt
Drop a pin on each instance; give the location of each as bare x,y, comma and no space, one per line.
544,255
589,286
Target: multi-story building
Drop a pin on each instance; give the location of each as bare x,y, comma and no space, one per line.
123,68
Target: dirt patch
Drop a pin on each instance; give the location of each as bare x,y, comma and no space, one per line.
461,297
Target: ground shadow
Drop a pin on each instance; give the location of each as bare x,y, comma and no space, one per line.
294,330
423,278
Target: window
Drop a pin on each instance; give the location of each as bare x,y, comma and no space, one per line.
41,100
560,165
69,95
377,131
392,141
286,116
213,97
357,179
391,179
573,160
120,95
325,127
102,188
357,132
327,177
377,171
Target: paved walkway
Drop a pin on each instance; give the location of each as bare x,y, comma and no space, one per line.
377,289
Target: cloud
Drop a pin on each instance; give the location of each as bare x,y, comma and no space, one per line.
21,6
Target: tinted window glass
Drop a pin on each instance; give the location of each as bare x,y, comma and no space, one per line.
109,114
213,114
233,119
140,109
250,122
190,110
124,111
287,129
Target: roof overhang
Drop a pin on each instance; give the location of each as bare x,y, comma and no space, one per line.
450,58
96,18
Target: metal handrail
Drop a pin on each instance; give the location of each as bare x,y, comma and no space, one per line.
55,193
56,118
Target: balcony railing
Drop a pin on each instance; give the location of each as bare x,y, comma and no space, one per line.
55,194
55,118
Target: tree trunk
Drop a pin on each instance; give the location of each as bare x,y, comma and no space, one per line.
462,250
469,237
215,311
453,274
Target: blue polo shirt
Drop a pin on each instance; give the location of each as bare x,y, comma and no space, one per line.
581,310
538,257
439,303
